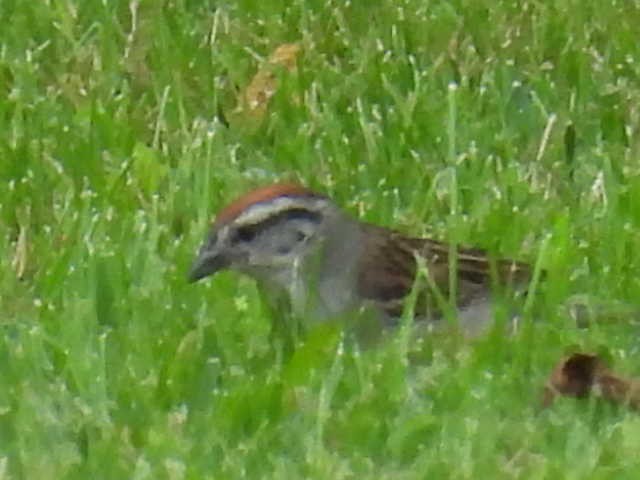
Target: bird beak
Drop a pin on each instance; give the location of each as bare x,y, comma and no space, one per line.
207,263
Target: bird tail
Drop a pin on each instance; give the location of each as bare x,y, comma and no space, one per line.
586,311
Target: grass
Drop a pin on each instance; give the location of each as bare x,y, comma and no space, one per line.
508,125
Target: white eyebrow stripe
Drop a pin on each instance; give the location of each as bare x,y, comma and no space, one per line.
261,211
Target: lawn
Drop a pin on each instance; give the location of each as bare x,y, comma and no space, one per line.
513,126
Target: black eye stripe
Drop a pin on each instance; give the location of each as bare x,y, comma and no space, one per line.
299,214
246,233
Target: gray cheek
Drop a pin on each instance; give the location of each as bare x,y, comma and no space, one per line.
294,242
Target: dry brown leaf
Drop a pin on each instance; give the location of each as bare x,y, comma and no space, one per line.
581,375
253,101
285,55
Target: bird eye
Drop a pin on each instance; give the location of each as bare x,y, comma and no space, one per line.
244,234
301,236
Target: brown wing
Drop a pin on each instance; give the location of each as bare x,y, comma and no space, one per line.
391,269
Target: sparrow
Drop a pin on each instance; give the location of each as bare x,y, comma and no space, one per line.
301,246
